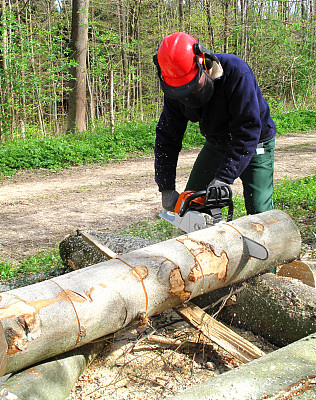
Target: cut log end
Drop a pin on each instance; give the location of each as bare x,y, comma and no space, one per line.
303,271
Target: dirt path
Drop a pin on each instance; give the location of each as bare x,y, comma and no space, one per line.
39,209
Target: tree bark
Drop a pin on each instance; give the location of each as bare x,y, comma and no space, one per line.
78,45
282,374
280,309
54,316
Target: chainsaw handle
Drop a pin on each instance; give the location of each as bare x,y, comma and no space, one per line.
214,197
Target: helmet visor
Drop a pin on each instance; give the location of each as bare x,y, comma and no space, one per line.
201,94
177,92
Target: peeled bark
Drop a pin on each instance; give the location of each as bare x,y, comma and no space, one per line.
283,374
57,315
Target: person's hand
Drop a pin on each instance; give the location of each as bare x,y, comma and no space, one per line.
217,182
169,199
217,189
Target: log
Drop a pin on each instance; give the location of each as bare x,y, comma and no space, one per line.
234,344
52,379
280,309
304,271
57,315
283,374
217,332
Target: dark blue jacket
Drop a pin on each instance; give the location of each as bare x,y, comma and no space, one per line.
236,118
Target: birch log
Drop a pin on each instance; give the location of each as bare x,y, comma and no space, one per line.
54,316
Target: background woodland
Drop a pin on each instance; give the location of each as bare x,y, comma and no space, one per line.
40,65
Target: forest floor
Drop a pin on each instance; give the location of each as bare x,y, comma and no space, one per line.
39,209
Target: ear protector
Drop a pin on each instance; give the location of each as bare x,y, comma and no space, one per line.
207,56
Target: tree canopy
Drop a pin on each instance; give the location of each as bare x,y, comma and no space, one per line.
276,38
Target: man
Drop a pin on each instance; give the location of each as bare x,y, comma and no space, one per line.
221,93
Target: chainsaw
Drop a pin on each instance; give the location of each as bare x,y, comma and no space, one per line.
199,210
203,209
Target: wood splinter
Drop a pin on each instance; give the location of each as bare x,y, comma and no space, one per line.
95,243
217,332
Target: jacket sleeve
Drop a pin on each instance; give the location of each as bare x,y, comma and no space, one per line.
169,135
245,126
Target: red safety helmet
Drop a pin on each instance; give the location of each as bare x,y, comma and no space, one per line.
176,59
180,62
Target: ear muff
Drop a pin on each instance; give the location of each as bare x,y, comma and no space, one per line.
207,56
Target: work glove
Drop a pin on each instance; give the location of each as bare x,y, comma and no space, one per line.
213,189
169,199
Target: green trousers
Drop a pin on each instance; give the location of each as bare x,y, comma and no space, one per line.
257,178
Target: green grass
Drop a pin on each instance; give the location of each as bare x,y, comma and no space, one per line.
42,262
101,146
97,146
158,230
295,121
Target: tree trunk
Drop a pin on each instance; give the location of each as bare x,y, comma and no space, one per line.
56,315
111,97
181,15
280,309
282,374
78,45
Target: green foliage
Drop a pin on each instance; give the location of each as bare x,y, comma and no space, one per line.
298,196
31,79
43,261
192,137
100,145
87,147
295,121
